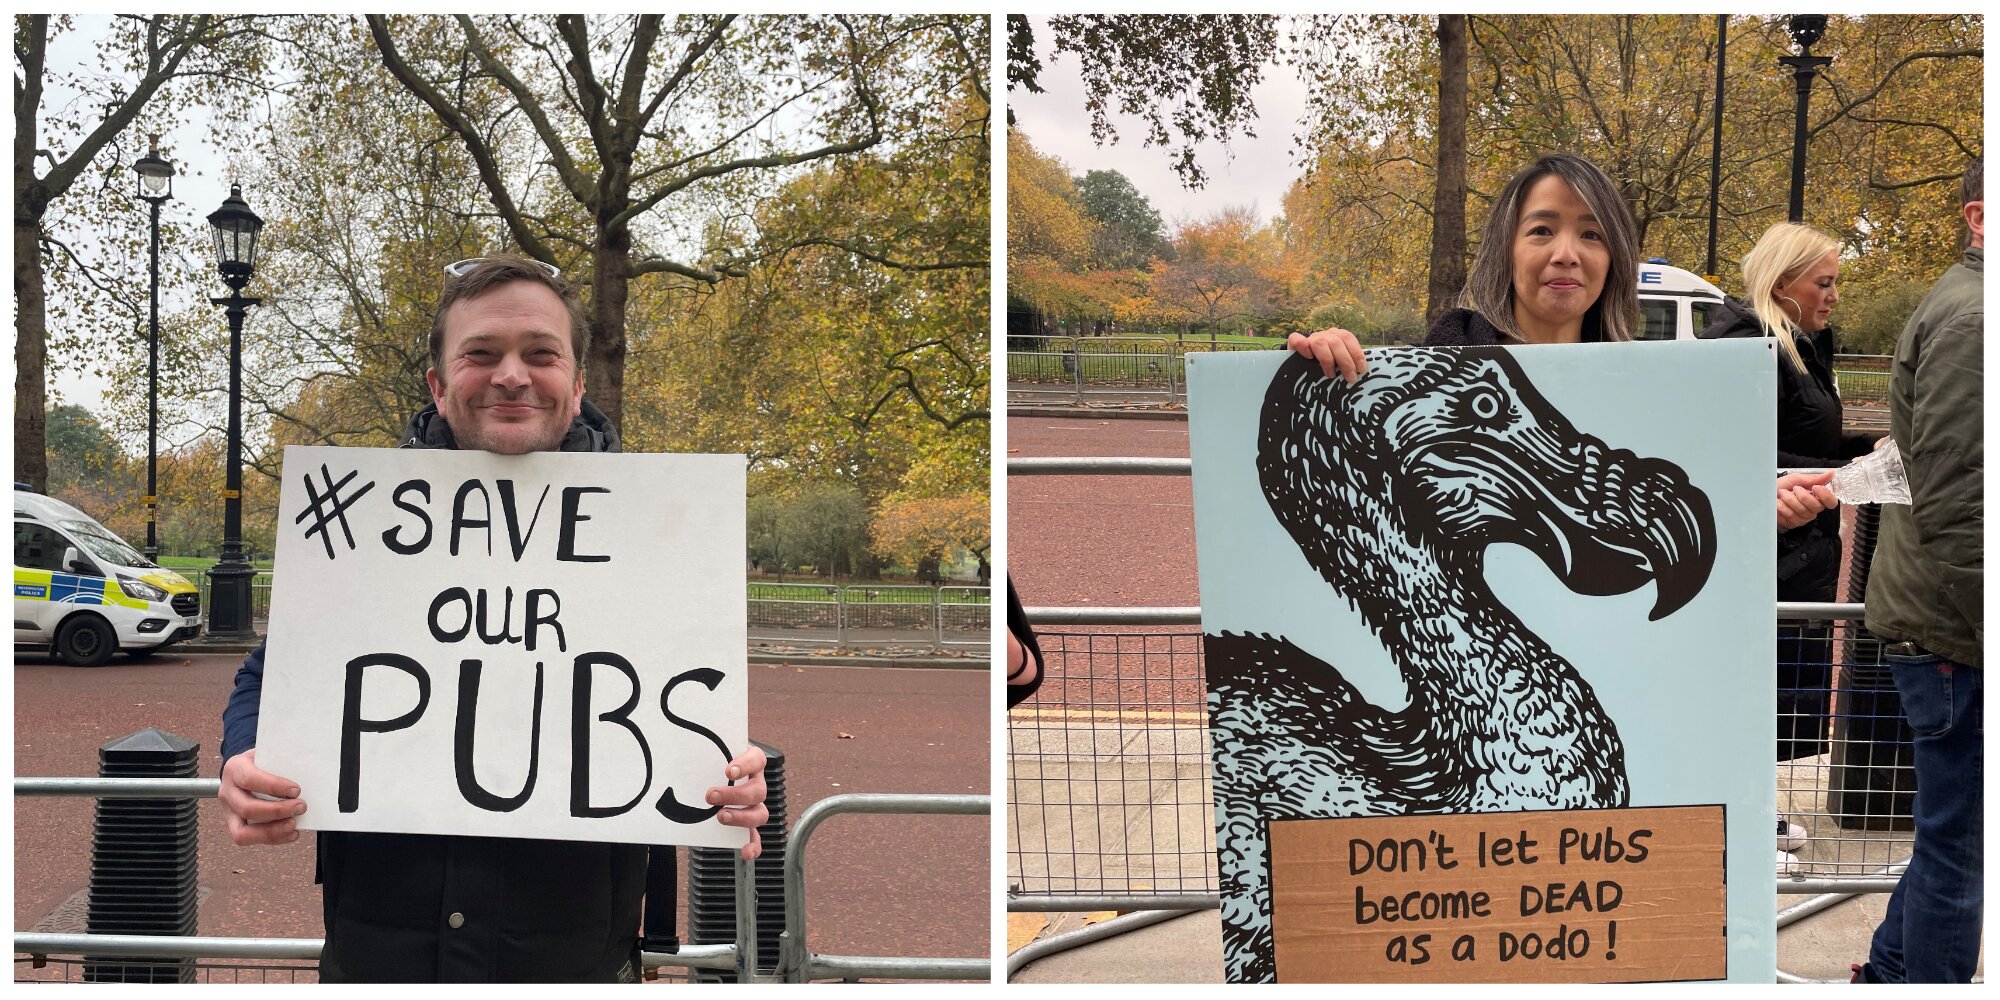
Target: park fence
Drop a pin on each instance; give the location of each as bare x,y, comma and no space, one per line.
1151,372
55,957
1109,804
942,619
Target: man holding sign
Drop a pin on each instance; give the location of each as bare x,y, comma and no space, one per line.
548,901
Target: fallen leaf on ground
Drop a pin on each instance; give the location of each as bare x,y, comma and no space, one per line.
1023,928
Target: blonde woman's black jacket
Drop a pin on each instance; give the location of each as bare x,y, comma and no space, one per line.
1810,436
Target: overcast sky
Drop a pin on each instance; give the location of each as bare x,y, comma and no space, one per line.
200,184
1258,173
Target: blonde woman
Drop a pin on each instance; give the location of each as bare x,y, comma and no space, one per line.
1791,279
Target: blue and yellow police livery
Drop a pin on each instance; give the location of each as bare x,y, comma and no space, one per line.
83,593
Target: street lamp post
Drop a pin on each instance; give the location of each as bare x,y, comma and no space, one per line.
235,228
1805,30
156,185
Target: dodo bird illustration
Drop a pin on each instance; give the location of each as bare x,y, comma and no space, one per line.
1393,487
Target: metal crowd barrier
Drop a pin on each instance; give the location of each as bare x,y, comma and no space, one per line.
796,964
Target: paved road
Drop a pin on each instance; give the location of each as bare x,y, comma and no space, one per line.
876,885
1107,541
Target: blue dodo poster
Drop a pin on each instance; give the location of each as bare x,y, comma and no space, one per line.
1488,638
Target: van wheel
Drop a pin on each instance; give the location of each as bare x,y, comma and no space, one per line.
85,641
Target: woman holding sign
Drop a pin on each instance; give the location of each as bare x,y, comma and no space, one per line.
1557,264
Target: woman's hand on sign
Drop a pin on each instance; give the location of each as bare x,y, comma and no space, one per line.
743,802
1334,349
259,807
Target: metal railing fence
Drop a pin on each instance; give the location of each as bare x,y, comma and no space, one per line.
831,615
796,963
267,958
1151,371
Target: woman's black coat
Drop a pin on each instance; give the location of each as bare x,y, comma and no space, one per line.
1809,437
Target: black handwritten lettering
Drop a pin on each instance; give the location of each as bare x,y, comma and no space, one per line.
460,522
1506,851
462,742
566,545
506,633
352,725
1465,949
1559,897
1443,851
1412,950
1559,945
1420,905
517,538
1388,855
1589,845
579,733
450,595
392,537
532,618
670,805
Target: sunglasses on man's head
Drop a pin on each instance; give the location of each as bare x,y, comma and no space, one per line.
459,269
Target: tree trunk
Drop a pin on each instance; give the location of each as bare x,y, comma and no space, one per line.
31,460
1447,277
31,327
610,280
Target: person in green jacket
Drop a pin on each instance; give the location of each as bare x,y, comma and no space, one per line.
1924,599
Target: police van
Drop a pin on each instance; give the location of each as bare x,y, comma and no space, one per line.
82,593
1674,304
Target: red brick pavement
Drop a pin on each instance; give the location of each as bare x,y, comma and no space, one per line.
890,885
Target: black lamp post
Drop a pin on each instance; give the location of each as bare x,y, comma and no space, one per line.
1805,30
156,185
235,228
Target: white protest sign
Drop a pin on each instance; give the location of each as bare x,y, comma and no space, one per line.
546,646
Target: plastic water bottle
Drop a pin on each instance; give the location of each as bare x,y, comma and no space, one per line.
1874,478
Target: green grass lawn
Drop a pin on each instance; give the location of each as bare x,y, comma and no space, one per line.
193,567
864,593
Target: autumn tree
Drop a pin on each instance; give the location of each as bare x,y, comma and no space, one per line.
366,198
148,65
1633,94
592,136
1226,267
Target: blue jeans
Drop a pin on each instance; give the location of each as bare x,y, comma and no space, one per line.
1931,932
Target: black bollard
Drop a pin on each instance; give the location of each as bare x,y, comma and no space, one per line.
143,859
712,883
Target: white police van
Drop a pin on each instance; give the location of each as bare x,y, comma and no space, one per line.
1674,304
83,593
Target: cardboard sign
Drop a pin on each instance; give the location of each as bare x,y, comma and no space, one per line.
1488,581
545,646
1586,896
